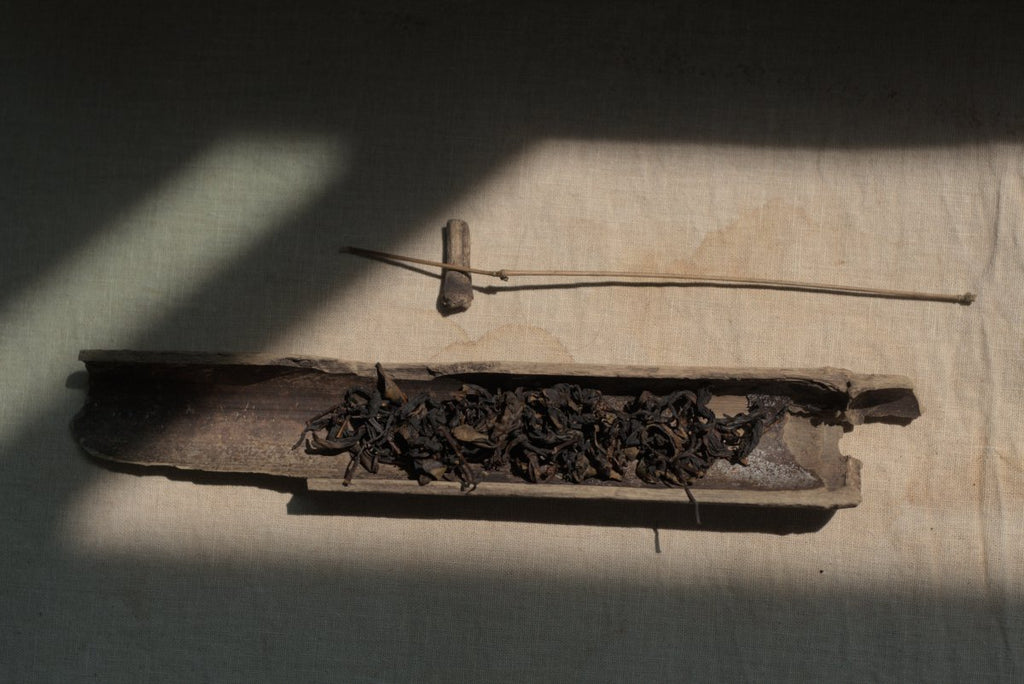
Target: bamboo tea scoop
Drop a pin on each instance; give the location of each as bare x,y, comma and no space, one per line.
457,287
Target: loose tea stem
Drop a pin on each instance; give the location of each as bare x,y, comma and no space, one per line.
504,274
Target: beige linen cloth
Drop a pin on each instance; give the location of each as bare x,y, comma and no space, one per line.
182,178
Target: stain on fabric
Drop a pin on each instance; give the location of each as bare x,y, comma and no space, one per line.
775,238
512,341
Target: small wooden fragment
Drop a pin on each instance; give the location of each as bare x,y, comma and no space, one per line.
456,286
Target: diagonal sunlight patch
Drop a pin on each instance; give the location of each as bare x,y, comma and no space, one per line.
238,190
580,204
725,210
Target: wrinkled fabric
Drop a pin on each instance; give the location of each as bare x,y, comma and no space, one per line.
184,179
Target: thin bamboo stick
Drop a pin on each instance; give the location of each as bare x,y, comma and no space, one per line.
505,273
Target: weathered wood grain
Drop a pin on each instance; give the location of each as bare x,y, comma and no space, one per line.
243,413
456,287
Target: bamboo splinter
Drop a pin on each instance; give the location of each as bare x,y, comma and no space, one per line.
504,274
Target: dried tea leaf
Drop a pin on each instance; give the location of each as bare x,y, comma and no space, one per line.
434,469
564,431
465,433
388,388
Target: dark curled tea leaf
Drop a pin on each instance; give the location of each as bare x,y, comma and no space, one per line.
564,431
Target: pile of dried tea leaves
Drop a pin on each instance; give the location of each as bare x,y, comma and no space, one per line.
564,432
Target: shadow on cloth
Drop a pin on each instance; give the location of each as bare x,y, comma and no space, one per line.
102,104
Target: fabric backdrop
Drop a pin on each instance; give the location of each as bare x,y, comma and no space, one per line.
182,178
